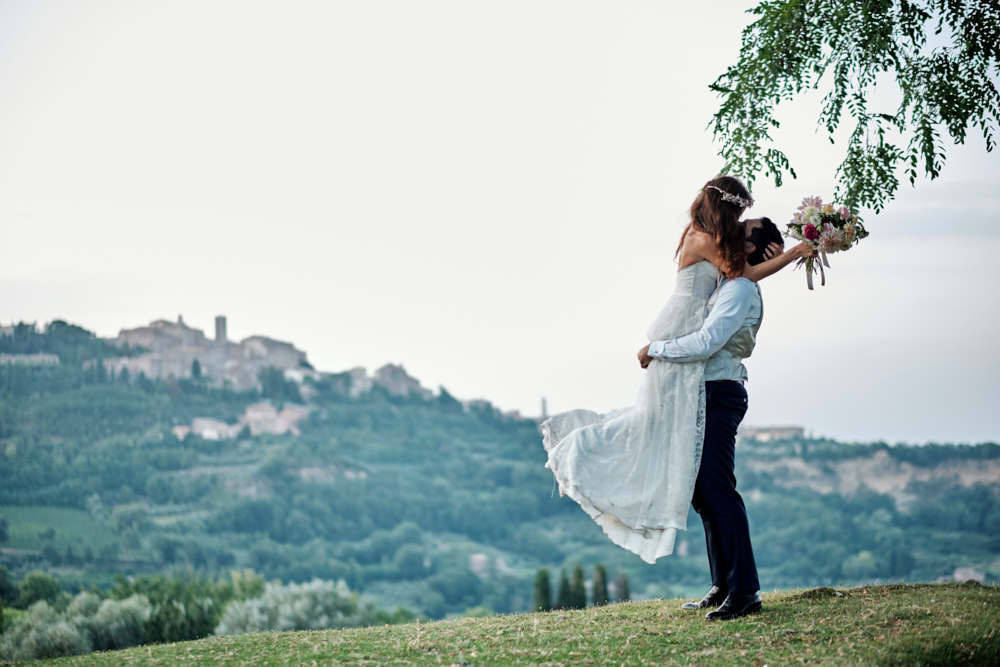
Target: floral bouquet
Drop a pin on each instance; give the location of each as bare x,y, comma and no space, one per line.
826,229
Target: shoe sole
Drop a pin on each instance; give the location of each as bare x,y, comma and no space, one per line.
752,609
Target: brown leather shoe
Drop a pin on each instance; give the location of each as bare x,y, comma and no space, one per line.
713,598
736,605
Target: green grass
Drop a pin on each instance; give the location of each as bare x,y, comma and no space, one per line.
73,528
877,625
10,616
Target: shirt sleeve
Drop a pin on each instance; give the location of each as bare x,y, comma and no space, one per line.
731,309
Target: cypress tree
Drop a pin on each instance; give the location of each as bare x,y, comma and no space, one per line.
564,598
621,588
578,589
600,586
543,591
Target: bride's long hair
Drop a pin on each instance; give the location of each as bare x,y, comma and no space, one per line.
721,219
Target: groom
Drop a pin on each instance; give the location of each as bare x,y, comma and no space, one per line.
726,338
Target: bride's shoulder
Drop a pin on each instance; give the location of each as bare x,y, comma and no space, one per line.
698,246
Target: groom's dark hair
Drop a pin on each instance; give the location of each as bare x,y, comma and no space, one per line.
761,237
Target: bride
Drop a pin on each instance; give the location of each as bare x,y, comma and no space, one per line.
633,470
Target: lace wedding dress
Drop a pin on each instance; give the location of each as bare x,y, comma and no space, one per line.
633,470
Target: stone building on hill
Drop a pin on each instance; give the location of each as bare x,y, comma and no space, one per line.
772,433
172,348
395,380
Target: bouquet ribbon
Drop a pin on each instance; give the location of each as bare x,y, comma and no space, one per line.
809,270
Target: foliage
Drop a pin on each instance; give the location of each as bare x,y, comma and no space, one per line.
73,344
543,591
943,54
277,388
564,596
312,606
577,589
88,624
38,586
183,607
600,585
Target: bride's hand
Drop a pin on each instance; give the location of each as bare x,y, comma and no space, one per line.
804,250
773,250
644,358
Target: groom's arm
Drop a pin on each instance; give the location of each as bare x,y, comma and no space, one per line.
729,314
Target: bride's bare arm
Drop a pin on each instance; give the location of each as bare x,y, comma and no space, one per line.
778,261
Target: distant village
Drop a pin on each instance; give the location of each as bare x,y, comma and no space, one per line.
170,350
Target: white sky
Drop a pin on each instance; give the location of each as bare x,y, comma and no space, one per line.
489,193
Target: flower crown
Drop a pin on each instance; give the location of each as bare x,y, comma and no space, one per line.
735,199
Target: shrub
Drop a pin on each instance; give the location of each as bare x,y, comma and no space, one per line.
312,606
38,586
120,623
41,634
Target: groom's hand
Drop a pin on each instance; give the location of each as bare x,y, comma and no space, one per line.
644,358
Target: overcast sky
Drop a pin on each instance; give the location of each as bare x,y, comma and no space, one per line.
489,193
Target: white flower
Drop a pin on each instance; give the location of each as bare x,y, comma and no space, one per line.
831,239
811,214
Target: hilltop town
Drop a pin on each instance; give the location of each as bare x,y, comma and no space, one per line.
164,350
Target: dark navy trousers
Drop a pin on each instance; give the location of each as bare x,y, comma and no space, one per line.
727,533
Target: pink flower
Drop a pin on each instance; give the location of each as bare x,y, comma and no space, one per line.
844,213
810,232
815,202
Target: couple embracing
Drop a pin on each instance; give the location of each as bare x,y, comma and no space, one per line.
636,470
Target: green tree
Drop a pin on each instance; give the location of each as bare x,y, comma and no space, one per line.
543,591
273,385
8,589
4,529
182,608
622,593
943,55
196,369
38,586
600,586
409,560
564,598
578,589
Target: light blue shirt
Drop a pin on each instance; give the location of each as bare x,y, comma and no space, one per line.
737,307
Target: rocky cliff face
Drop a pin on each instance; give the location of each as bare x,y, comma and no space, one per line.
878,471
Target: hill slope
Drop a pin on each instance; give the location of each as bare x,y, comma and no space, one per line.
885,625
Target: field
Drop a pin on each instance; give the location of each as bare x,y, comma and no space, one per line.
922,624
74,528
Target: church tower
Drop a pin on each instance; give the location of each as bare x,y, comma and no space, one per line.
220,329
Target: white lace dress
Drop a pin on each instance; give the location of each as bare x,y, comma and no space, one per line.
633,470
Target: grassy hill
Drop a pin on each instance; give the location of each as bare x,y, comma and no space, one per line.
423,501
922,624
